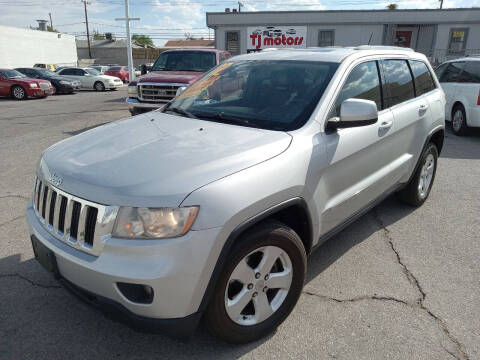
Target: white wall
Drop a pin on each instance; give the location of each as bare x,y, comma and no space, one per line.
473,39
24,48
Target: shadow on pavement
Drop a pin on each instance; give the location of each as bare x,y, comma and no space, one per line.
461,147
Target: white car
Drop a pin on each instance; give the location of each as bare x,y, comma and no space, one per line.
92,79
460,79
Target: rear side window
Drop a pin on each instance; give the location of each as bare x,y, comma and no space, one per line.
362,83
423,79
471,72
452,72
399,82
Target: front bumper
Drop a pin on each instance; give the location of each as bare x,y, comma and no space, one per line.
134,103
178,270
114,85
38,92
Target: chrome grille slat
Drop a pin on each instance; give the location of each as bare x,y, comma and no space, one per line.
80,223
157,92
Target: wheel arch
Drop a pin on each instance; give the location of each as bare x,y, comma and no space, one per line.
293,213
455,104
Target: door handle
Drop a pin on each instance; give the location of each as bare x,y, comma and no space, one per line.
422,108
386,124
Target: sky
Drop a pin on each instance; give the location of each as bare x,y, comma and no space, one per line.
172,19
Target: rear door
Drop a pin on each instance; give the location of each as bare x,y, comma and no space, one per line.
411,116
449,75
360,157
4,86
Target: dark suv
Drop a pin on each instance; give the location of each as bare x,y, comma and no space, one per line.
61,84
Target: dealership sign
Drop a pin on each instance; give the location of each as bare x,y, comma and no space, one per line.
262,37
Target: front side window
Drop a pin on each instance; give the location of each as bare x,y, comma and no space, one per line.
68,72
423,79
185,61
362,83
452,72
92,72
275,95
471,72
399,82
326,38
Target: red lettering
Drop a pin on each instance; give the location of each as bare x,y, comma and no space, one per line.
290,41
300,40
283,40
278,41
253,37
268,41
296,40
259,42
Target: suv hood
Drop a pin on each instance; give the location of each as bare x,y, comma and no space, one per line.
184,77
155,159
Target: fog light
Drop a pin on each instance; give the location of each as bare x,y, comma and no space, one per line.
138,293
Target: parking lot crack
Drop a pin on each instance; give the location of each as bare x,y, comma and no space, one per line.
31,282
14,196
11,220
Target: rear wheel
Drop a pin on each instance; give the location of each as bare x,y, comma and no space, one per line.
459,121
259,286
18,92
99,86
418,189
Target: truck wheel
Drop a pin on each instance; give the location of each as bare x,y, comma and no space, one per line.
18,92
418,189
459,121
260,284
99,86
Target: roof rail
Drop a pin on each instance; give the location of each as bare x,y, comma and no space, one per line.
381,47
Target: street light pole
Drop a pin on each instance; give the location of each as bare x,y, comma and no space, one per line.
129,40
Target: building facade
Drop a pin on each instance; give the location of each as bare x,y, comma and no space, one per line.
439,34
24,48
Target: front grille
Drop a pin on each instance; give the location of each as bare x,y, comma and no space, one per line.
44,86
78,222
157,92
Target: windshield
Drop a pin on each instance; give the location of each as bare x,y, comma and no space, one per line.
48,73
275,95
12,74
92,71
185,61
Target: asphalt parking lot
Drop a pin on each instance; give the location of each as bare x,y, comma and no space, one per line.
400,283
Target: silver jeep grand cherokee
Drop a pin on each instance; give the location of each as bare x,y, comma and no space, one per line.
210,207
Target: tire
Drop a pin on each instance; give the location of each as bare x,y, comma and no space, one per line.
418,189
459,121
99,86
247,323
18,92
55,90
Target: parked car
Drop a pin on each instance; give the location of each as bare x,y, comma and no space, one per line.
210,207
120,72
172,70
50,67
460,79
100,68
92,79
61,84
18,86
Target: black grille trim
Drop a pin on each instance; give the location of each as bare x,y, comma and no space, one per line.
75,218
90,224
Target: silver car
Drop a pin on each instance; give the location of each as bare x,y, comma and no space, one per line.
210,207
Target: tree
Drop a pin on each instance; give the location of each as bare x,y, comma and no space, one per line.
144,40
98,36
392,6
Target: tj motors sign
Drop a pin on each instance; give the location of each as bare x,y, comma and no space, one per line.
262,37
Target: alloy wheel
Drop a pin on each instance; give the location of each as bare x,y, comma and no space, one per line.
458,120
426,176
18,92
258,285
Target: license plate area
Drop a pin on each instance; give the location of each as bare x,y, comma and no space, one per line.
45,256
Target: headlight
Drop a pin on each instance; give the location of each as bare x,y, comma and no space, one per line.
33,85
63,82
154,223
132,91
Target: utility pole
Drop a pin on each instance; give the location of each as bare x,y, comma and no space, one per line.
51,22
240,4
127,18
88,33
441,4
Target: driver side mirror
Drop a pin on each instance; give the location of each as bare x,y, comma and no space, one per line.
354,113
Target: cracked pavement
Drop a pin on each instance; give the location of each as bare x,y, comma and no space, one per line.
400,283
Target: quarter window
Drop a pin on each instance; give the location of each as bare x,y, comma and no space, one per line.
399,82
362,83
423,79
452,72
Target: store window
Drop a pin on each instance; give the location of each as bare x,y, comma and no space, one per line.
457,40
232,42
326,37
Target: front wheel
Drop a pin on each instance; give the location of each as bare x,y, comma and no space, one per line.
418,189
99,86
18,92
259,286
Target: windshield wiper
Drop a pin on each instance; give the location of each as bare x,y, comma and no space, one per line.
226,118
180,112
